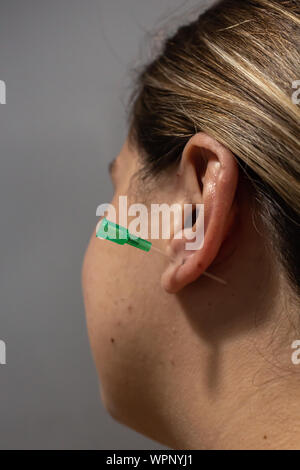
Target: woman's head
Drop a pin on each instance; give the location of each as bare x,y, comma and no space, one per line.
230,74
211,121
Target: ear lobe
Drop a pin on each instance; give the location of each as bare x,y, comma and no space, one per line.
209,175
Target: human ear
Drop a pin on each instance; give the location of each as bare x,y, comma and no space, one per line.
208,175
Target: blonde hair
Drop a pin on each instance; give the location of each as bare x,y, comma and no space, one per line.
230,73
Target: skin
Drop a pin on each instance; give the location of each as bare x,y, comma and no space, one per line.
181,358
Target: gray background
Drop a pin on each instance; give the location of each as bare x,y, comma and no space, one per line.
66,65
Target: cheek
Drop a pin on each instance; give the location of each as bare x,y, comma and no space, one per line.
124,324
